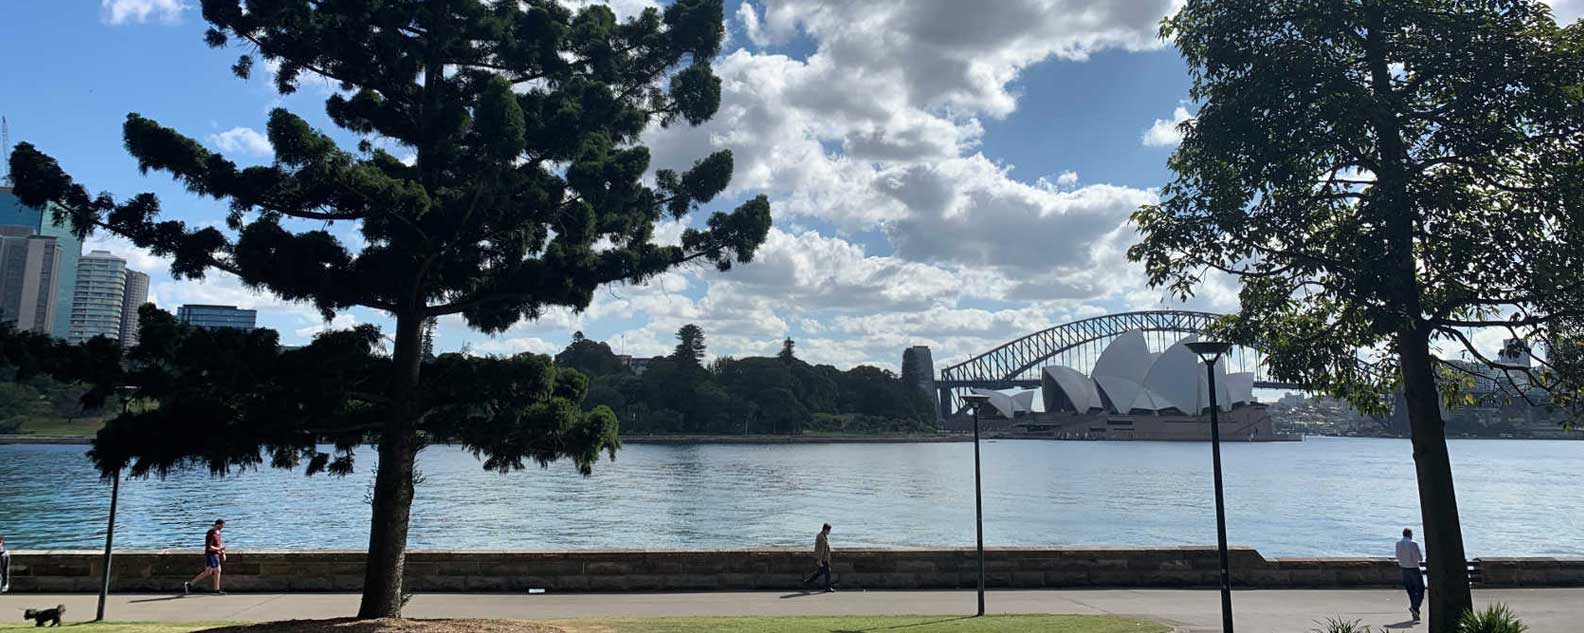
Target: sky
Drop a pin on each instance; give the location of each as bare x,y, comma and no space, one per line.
942,173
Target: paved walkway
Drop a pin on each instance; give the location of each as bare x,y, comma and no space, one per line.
1193,611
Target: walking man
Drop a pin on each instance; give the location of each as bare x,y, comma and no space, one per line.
822,557
5,566
1408,558
214,555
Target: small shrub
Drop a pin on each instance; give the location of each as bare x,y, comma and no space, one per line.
1496,618
1338,625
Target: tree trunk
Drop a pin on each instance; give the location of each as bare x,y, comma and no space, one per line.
1449,588
1448,594
393,483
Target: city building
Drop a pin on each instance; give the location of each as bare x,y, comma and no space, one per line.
30,267
636,364
98,299
212,316
137,286
63,276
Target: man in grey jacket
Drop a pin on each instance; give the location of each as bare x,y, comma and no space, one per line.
822,557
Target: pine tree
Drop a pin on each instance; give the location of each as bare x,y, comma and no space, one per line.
690,349
524,191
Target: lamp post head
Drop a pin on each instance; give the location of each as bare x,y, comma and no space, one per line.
1209,351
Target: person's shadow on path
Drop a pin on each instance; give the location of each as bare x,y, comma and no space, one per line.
156,599
1405,624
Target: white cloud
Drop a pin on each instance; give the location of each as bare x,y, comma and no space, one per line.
1567,11
1166,132
969,211
510,346
242,140
341,321
140,11
750,23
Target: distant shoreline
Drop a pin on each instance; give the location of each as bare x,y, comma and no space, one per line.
636,439
45,439
796,439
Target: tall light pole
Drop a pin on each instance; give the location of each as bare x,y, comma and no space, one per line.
115,495
975,400
1210,352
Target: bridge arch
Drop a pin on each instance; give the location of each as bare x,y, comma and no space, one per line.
1010,364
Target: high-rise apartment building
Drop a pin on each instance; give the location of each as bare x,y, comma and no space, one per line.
208,316
40,222
137,286
30,267
98,298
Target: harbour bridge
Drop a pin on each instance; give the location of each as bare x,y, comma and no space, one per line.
1077,345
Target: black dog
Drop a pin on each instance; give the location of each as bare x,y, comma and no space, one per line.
40,616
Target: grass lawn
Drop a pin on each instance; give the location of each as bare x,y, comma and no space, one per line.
800,624
59,427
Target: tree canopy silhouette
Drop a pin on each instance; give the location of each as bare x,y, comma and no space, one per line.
1380,175
524,190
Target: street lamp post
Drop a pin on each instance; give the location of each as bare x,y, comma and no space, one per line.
975,400
115,496
1210,352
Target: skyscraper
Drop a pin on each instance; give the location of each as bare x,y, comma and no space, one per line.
29,278
208,316
100,293
39,222
137,285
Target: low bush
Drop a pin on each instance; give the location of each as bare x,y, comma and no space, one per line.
1496,618
1338,625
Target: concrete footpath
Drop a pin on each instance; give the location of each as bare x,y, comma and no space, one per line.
1192,611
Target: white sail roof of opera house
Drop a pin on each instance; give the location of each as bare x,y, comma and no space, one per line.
1009,405
1128,378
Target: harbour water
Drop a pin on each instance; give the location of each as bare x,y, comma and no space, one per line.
1320,497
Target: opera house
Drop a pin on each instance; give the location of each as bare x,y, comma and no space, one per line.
1132,393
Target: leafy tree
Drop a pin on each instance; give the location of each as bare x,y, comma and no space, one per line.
786,354
1379,175
593,358
690,346
524,191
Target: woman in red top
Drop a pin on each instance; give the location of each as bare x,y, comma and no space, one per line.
214,554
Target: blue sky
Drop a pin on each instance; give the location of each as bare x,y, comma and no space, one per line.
945,173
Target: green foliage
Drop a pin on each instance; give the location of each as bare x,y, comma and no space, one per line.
593,358
755,395
221,391
1496,618
1339,625
1375,170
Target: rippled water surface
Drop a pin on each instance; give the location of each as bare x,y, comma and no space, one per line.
1317,497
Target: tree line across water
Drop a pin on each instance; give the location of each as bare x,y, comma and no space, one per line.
782,394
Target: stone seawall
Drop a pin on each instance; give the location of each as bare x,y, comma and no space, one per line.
750,569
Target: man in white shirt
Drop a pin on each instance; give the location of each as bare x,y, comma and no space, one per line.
1408,558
